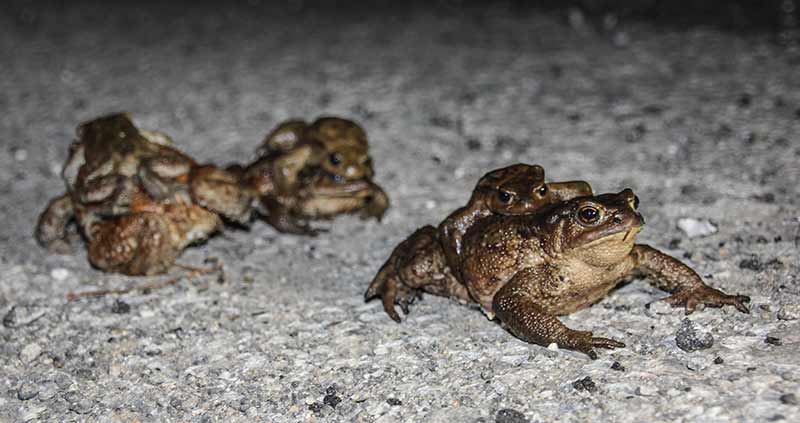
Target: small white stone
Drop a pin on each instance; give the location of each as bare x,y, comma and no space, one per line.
646,391
789,312
20,154
553,346
59,274
32,413
30,352
696,227
115,370
147,313
659,307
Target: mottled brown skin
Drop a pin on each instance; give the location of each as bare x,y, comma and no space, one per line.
316,195
429,259
130,187
338,146
518,189
148,242
527,270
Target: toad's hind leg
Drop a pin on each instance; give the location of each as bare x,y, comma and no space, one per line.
518,306
136,244
220,191
51,229
416,265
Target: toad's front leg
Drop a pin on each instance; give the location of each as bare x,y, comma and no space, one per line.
376,203
685,285
51,229
281,217
520,309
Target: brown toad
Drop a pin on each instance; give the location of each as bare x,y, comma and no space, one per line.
526,270
429,259
121,180
338,146
314,171
316,195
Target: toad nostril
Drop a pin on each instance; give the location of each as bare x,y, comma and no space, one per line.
617,219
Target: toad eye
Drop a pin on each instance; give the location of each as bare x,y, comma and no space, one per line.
589,214
636,202
543,190
504,196
335,158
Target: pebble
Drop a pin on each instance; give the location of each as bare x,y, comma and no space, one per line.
120,307
617,366
646,391
752,263
509,415
394,402
27,391
82,406
696,227
19,316
20,154
332,400
585,384
658,308
10,319
789,399
789,312
59,274
32,413
30,353
689,338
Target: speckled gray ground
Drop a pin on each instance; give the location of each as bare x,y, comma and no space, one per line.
699,123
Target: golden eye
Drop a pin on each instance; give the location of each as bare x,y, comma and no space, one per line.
504,197
589,214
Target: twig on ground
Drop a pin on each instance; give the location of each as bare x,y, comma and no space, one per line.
192,272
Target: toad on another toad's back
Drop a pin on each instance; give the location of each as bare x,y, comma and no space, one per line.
429,259
526,270
137,200
315,171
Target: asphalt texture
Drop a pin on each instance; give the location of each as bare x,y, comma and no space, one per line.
702,124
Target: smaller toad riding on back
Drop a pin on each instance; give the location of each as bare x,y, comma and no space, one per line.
527,251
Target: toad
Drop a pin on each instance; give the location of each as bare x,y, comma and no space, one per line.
527,270
429,259
338,146
316,195
115,172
